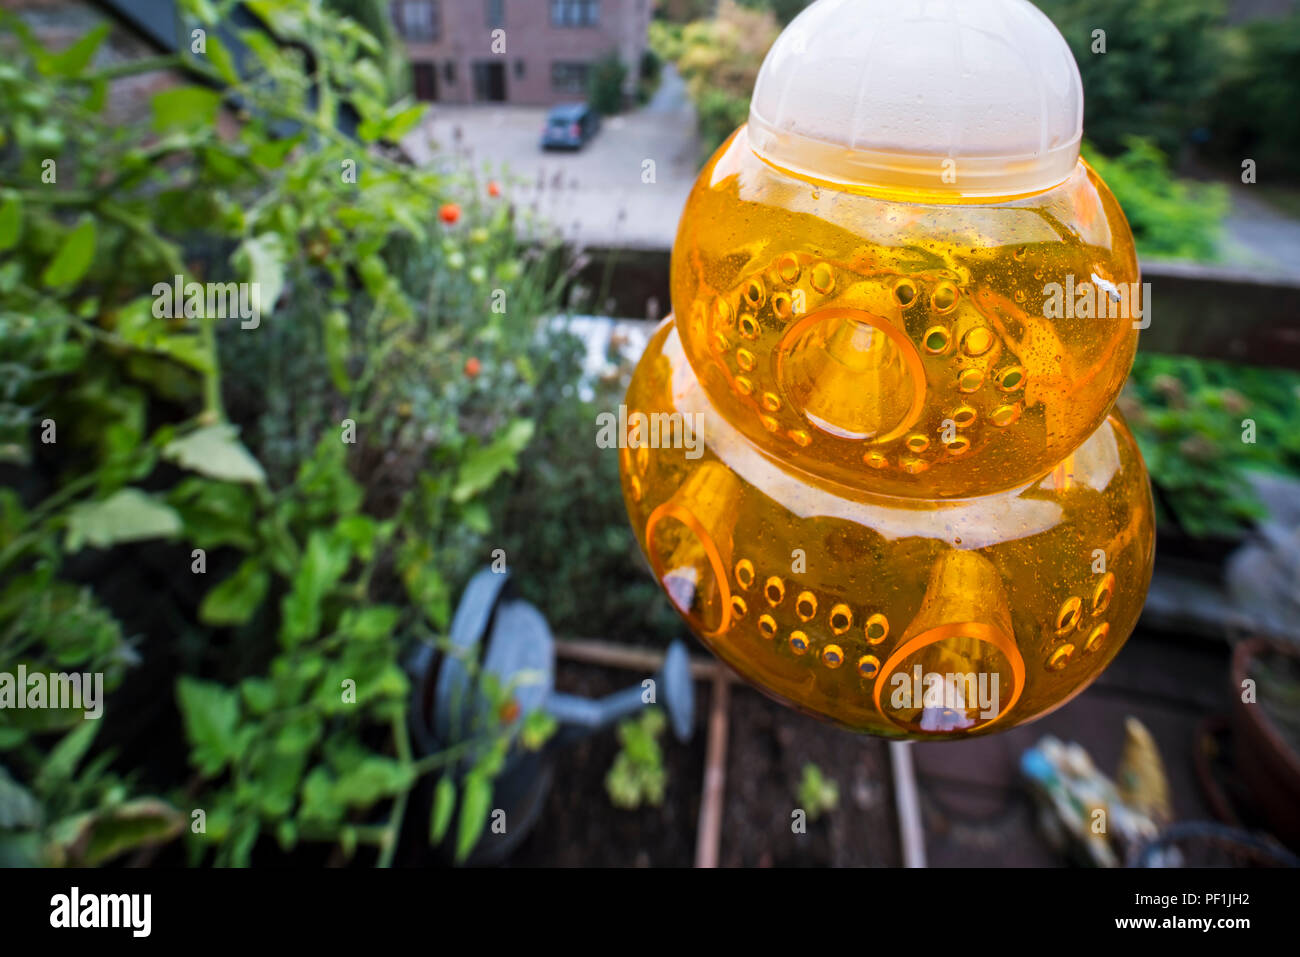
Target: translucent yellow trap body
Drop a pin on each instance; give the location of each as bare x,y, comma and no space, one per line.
912,510
873,460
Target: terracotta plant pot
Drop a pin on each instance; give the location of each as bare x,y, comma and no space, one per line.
1269,766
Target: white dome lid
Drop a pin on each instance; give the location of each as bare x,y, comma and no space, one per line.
971,97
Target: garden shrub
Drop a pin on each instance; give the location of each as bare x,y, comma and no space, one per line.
260,519
605,85
1171,218
1255,111
1159,71
1189,418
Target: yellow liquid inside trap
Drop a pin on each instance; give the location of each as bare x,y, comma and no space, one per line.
915,513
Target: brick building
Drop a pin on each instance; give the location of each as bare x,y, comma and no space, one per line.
549,46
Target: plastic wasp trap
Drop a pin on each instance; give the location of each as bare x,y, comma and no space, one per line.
903,308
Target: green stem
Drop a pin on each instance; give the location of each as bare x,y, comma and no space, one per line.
402,741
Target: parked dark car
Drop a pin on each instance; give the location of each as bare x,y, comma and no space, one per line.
569,126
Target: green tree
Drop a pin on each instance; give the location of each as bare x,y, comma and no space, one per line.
1158,73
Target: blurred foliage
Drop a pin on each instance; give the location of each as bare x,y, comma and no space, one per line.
1173,73
564,516
638,775
327,471
818,794
1171,218
1255,112
605,84
683,11
374,18
719,58
1190,418
649,73
1157,74
783,10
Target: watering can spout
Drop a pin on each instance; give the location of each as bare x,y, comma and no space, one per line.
670,687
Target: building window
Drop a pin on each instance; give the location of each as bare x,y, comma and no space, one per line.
426,80
569,77
575,13
496,13
519,69
417,21
449,72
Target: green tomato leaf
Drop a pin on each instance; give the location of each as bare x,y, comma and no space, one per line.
211,714
221,59
61,763
185,107
11,221
484,465
127,515
215,451
18,808
74,59
370,624
372,778
324,561
337,347
92,839
444,802
234,601
74,256
263,258
475,803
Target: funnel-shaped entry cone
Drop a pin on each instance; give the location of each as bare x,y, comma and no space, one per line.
688,539
852,374
957,667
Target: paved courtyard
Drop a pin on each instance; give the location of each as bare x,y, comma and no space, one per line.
606,194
